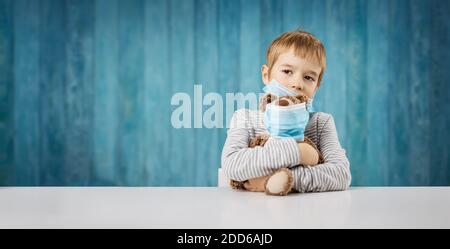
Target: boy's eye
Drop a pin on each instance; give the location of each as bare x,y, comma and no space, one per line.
287,71
309,78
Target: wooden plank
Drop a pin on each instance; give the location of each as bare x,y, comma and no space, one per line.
52,83
105,155
335,87
183,145
229,50
26,93
399,82
419,95
6,94
377,162
271,24
440,94
315,22
292,13
130,94
79,92
157,93
250,58
351,87
208,151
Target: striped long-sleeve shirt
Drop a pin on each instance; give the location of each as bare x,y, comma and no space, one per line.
239,162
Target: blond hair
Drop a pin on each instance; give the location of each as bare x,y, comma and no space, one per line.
305,45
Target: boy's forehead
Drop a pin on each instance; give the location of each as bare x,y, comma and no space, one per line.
290,59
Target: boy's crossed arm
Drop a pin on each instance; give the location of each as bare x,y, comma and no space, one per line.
332,175
241,163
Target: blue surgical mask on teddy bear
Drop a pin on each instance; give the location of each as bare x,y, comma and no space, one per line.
276,88
286,121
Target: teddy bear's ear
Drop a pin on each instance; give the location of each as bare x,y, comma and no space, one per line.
270,98
266,99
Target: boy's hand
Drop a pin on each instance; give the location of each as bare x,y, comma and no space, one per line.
308,154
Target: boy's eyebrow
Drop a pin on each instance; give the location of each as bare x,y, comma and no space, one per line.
309,71
287,65
312,72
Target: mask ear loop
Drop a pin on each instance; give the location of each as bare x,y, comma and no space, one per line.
314,94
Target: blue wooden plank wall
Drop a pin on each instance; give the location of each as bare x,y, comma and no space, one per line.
86,86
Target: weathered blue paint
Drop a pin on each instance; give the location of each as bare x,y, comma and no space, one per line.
85,86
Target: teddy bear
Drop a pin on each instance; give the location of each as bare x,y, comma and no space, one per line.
261,139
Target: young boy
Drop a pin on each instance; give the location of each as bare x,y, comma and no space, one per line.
296,62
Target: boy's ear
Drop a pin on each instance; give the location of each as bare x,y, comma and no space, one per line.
265,74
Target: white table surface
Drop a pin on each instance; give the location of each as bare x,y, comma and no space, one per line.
199,207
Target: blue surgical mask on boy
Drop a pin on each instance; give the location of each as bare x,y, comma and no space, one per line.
286,121
276,88
309,105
